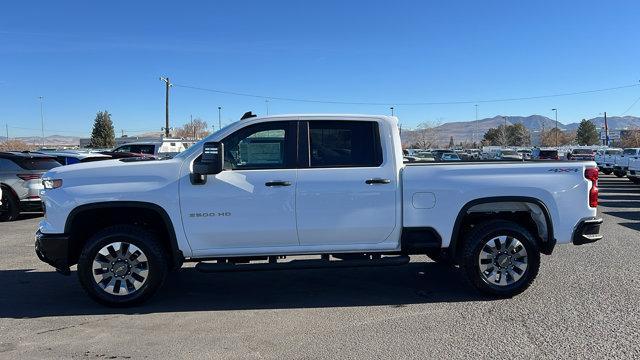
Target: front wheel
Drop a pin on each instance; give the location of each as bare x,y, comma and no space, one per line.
9,207
607,171
500,258
122,265
618,173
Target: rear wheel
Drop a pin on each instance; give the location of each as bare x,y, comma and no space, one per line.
10,207
122,265
500,258
618,173
606,171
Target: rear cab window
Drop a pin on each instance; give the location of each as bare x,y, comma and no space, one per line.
344,144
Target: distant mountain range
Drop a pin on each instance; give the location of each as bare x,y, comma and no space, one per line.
51,140
464,130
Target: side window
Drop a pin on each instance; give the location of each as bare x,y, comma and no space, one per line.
125,148
344,144
260,146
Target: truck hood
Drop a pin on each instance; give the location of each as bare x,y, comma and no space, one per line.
116,171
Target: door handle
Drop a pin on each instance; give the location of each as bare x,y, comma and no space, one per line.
377,181
278,183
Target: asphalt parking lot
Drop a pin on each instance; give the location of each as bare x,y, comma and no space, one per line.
584,304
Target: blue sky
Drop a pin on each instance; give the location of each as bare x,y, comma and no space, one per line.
87,56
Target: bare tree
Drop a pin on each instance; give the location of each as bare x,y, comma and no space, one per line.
425,136
195,129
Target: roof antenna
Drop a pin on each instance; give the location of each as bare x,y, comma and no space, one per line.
247,115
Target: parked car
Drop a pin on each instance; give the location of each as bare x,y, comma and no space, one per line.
524,153
20,180
545,154
450,157
621,163
508,154
634,171
74,157
425,156
337,190
126,155
581,154
606,159
166,148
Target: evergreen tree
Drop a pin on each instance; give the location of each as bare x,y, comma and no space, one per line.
103,135
451,144
587,133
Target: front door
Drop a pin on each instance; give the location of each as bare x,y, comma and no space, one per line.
251,203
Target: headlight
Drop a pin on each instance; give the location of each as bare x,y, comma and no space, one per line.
52,183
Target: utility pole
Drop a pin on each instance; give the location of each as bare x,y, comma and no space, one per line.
391,108
267,104
6,127
42,118
219,117
475,130
504,131
166,105
606,130
556,111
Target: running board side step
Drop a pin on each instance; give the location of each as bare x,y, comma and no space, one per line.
303,264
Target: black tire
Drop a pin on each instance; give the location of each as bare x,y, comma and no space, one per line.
607,171
618,173
10,208
476,240
157,265
635,180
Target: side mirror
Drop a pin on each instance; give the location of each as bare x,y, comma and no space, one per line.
210,163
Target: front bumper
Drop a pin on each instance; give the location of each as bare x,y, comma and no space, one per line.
587,231
53,249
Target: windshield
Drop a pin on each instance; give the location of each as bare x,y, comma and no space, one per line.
629,151
613,152
37,163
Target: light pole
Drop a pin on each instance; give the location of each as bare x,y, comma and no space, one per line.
42,118
556,111
219,117
391,108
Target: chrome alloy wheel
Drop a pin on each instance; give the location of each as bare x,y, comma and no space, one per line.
503,260
120,268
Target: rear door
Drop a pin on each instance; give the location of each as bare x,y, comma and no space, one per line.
346,188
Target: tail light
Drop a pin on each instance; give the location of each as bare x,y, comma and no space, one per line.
27,177
592,175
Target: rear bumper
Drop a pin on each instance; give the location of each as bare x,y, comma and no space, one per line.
53,249
587,231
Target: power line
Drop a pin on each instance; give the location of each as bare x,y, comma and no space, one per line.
629,108
394,103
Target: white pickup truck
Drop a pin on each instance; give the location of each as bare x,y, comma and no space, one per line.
621,163
606,159
332,189
634,171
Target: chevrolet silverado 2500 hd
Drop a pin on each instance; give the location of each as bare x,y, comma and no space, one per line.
331,186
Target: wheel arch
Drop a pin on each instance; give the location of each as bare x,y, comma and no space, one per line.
546,239
77,214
